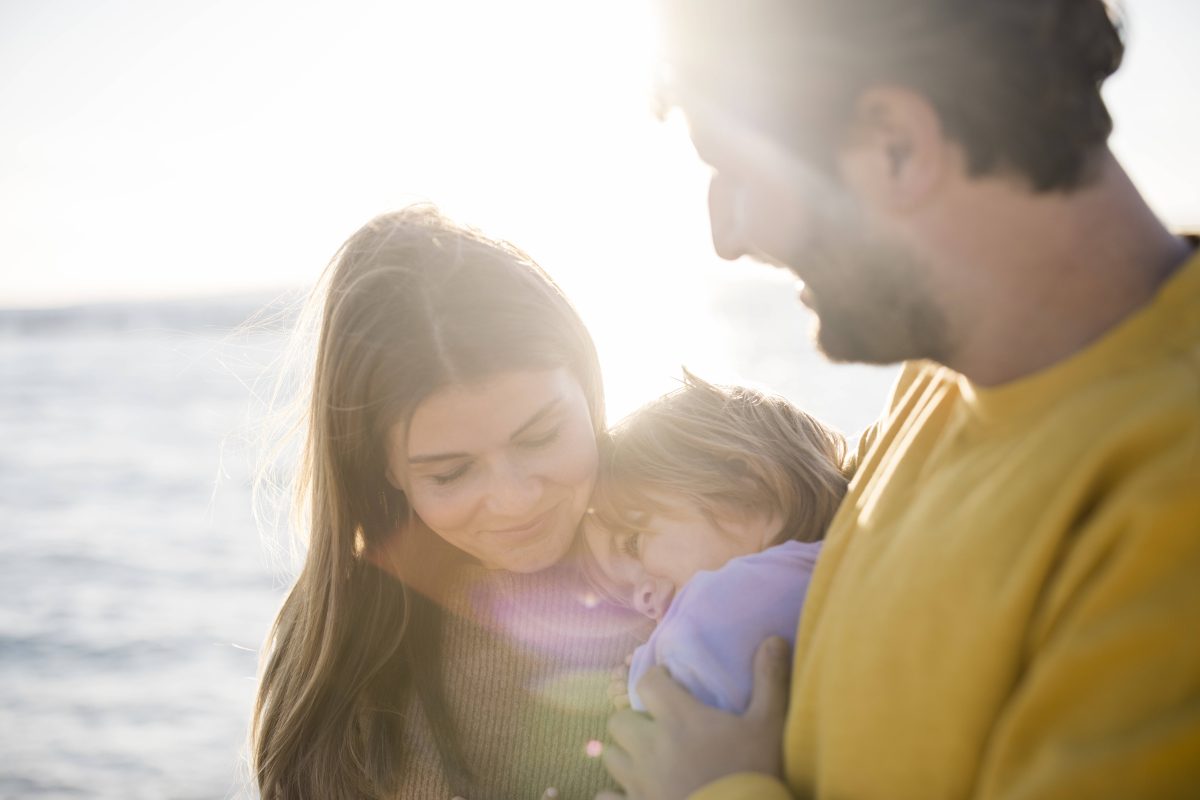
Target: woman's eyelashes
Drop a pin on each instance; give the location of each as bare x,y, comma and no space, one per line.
544,440
446,478
536,443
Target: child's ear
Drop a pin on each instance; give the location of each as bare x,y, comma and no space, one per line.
760,527
773,528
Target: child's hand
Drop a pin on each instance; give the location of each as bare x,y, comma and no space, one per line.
618,684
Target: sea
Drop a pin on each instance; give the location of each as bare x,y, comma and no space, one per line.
137,583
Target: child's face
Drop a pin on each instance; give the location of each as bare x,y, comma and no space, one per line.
649,568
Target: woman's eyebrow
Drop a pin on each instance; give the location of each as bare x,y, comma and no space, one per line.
534,419
436,457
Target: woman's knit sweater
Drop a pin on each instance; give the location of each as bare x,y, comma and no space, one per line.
527,660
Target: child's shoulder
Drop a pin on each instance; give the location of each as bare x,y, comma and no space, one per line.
776,577
783,559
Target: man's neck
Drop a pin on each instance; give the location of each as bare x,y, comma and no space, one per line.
1052,273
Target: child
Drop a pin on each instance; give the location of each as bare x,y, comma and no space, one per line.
708,517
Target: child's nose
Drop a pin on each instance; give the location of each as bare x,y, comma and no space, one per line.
652,597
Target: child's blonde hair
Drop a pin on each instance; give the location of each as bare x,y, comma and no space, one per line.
729,450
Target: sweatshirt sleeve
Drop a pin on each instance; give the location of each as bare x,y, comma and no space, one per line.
1109,705
715,626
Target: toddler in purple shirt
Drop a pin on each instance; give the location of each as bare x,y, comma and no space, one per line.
708,517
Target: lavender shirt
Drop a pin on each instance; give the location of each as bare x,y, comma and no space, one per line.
715,624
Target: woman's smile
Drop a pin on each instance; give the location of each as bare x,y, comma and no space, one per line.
528,528
501,469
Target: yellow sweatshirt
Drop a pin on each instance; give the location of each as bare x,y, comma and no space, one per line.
1008,605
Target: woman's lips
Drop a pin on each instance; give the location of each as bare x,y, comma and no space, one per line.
526,528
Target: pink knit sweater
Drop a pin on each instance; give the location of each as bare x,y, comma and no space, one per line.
527,660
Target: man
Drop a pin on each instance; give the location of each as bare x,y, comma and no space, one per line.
1009,600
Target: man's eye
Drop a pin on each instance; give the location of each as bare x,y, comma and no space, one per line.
445,478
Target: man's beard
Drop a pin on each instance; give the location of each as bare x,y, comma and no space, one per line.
871,298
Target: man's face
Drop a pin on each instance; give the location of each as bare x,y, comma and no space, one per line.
869,290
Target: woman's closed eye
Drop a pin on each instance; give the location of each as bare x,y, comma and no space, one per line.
535,443
545,440
446,478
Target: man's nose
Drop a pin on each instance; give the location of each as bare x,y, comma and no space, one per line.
727,215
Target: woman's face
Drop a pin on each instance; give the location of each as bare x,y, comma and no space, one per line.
502,469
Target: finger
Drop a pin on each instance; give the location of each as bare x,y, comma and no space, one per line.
661,695
772,665
627,728
619,764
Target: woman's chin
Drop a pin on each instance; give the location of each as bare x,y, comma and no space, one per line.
543,560
534,557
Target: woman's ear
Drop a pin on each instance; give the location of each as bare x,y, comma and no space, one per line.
896,154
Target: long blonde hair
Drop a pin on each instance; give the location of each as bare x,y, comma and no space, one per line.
413,302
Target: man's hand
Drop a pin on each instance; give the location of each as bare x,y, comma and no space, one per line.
683,745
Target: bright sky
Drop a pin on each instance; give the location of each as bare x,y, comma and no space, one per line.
156,148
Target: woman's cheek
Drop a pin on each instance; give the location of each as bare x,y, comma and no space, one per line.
578,457
441,508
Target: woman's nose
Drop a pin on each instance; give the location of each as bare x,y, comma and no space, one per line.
514,490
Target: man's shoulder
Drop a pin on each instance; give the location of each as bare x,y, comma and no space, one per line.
915,380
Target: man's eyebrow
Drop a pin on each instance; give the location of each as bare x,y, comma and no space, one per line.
534,419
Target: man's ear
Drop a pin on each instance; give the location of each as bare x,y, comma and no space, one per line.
896,154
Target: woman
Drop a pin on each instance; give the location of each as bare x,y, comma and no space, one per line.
436,642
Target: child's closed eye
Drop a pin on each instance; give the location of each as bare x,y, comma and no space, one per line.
631,545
